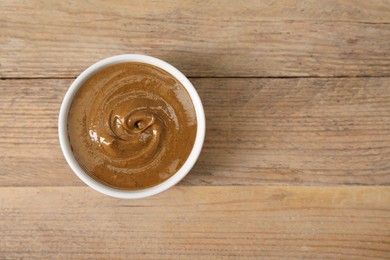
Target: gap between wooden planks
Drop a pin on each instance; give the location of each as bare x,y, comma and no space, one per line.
197,222
259,132
214,38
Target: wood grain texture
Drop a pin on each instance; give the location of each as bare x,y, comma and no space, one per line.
197,222
214,38
296,94
259,132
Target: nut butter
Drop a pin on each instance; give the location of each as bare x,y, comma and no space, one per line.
132,125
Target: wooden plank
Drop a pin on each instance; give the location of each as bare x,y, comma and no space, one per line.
197,222
261,39
259,132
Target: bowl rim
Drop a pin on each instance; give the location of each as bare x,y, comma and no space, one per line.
121,193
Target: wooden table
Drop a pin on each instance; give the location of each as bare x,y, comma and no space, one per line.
296,162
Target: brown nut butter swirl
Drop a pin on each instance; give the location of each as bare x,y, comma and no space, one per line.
132,125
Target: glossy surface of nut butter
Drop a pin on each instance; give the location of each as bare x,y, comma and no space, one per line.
132,125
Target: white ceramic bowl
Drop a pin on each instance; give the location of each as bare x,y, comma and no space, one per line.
119,193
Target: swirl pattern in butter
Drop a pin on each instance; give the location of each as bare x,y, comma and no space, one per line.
132,125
